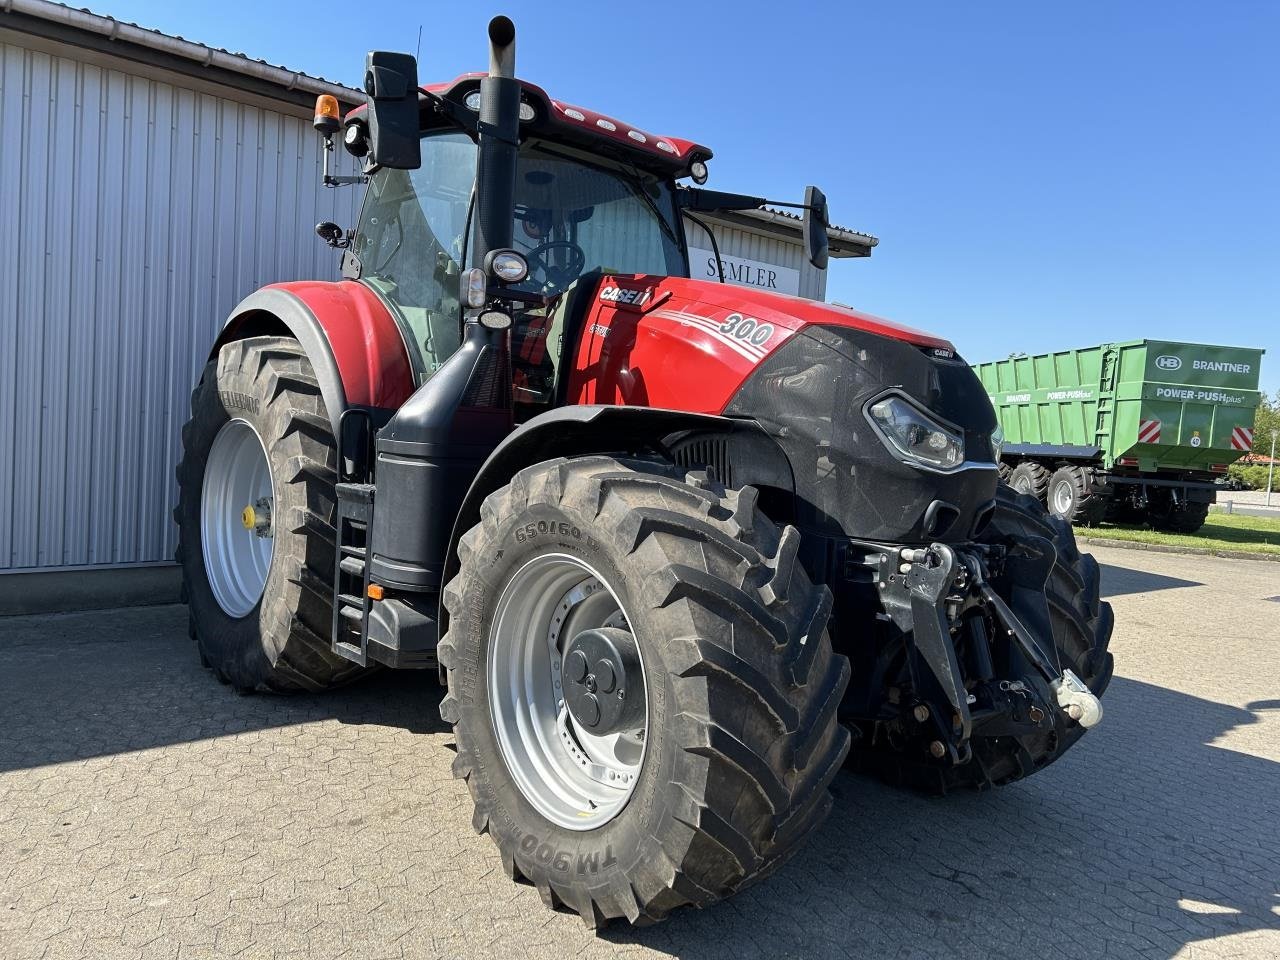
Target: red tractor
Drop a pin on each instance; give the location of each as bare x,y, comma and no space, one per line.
673,545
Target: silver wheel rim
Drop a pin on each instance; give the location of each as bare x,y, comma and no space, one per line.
237,490
572,777
1021,483
1062,498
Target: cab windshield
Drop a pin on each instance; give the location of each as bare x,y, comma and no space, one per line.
576,215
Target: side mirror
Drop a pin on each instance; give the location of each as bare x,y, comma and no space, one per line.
331,233
816,222
391,82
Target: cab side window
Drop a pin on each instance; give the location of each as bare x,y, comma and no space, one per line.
410,244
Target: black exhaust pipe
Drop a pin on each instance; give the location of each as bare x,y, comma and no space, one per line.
499,141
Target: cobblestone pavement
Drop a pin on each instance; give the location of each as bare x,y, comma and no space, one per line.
147,811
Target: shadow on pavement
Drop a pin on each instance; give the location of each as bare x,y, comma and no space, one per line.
1118,581
80,685
1144,839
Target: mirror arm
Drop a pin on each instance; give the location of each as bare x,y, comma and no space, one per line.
709,201
332,180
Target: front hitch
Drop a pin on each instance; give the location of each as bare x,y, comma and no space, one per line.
1075,699
940,597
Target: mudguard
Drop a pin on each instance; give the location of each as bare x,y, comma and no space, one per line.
584,429
352,341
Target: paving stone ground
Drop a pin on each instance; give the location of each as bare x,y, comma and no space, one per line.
146,811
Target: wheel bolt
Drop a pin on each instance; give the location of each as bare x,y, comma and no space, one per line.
921,713
938,749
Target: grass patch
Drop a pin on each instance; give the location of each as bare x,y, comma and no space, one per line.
1232,532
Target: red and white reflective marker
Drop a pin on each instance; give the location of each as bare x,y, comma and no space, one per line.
1242,439
1149,431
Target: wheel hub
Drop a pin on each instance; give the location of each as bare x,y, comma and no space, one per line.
598,667
257,517
567,691
235,518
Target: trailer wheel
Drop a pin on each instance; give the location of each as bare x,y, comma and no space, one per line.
641,686
1070,496
1030,478
1182,518
254,515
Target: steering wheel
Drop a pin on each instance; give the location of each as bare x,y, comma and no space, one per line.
555,277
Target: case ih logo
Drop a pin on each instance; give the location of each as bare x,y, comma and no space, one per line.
635,298
1169,363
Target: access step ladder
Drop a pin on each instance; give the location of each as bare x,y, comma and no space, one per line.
351,576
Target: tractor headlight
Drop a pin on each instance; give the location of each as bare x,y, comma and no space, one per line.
916,435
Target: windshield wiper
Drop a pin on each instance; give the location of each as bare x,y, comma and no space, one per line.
637,183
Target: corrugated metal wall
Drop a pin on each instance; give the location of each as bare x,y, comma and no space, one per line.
735,241
136,214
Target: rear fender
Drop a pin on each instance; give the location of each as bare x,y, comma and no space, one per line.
351,339
582,430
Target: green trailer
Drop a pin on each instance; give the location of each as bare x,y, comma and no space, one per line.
1128,432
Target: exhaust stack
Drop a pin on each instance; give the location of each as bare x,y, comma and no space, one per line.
499,136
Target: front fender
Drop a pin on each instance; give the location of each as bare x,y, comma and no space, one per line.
581,430
352,341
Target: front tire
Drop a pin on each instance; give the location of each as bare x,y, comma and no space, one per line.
740,738
254,514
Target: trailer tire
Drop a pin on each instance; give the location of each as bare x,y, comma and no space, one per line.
741,686
1030,478
270,633
1185,518
1070,496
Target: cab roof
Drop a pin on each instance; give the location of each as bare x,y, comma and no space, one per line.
590,129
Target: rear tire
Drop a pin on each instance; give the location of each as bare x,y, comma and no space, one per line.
265,628
1030,478
741,739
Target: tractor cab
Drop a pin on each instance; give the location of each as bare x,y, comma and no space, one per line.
577,216
573,194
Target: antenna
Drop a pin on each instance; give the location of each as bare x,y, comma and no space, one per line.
418,52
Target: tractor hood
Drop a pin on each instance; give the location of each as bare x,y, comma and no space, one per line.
691,344
810,374
795,313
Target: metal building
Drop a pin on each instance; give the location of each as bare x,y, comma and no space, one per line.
765,249
147,184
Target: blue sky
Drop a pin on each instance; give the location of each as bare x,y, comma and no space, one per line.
1040,175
